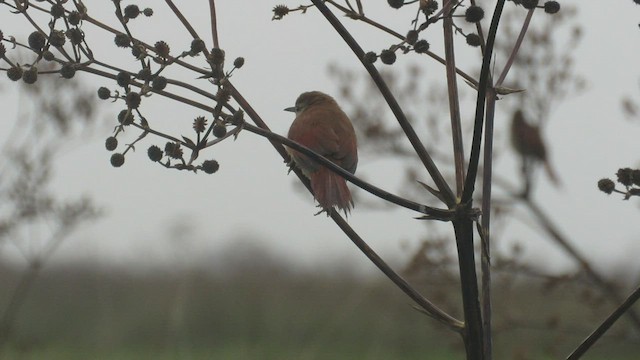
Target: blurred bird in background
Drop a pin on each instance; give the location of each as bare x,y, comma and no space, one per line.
323,127
527,141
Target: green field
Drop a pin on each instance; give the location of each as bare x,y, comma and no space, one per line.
269,312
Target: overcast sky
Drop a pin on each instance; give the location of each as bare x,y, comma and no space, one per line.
253,197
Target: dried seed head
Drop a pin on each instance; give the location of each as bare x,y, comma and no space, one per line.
473,40
14,73
155,153
210,166
606,186
104,93
279,12
552,7
370,57
159,83
131,11
122,40
30,76
388,56
57,38
199,124
111,143
36,41
396,4
133,100
162,49
421,46
473,14
117,160
68,70
173,150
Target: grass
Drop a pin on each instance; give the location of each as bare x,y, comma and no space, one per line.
259,312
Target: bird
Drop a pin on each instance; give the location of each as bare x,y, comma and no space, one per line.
527,141
322,126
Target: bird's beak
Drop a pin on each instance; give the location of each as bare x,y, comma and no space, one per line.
292,109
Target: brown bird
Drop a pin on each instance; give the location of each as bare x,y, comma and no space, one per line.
323,127
527,141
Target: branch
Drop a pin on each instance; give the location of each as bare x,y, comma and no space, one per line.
421,151
606,324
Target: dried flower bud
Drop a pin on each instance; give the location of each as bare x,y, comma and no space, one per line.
122,40
111,143
279,12
219,130
14,73
131,11
197,46
68,70
173,150
216,56
238,62
473,14
133,100
144,74
117,160
388,56
125,117
200,124
36,41
148,12
412,37
552,7
635,177
370,57
155,153
529,4
57,38
123,78
57,11
30,76
428,7
104,93
625,176
162,49
74,18
75,35
606,186
396,4
48,55
473,40
421,46
210,166
159,83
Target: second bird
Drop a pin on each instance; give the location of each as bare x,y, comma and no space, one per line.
323,127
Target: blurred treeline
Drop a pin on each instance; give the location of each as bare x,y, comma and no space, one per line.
253,306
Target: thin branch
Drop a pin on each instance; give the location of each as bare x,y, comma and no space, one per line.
474,158
421,151
431,212
606,324
454,100
424,304
516,48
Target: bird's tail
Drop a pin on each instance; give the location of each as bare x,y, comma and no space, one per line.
330,189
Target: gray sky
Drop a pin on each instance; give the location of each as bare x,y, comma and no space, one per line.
252,195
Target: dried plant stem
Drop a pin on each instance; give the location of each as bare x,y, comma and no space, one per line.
413,138
454,100
606,324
